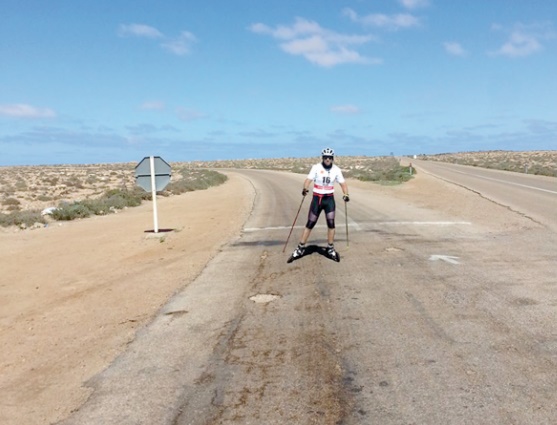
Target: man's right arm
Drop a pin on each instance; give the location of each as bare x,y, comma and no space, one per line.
307,184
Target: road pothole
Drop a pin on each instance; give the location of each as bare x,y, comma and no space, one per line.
393,249
264,298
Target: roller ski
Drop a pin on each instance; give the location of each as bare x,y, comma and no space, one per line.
303,250
298,253
331,253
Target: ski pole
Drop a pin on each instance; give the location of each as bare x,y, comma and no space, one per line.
293,224
346,220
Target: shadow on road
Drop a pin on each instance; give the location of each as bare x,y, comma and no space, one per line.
259,243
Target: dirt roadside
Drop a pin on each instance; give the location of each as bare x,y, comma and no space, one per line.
73,295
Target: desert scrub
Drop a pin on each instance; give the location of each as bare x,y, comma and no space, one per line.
112,200
120,198
11,202
117,199
66,211
51,181
537,162
195,179
74,181
383,170
91,179
44,198
105,200
20,185
21,218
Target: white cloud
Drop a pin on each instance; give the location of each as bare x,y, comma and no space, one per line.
156,105
524,40
25,111
414,4
455,49
148,129
180,45
139,30
188,115
318,45
520,44
345,109
380,20
300,27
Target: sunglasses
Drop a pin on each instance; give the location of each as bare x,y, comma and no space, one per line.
327,157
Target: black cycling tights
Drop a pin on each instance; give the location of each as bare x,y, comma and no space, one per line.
318,204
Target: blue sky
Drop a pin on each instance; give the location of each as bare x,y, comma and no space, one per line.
116,80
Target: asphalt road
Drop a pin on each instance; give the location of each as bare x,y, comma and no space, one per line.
426,320
534,196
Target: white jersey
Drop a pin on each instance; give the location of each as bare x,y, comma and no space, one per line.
324,180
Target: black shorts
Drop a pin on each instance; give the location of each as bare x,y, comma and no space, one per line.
322,203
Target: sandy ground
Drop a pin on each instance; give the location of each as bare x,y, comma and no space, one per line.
73,295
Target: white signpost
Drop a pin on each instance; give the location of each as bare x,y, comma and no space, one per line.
152,173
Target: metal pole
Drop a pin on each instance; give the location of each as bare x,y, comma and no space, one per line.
346,220
293,224
154,194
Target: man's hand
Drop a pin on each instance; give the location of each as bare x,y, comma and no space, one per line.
304,191
346,197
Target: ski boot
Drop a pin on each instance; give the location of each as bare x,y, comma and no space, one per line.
298,253
332,254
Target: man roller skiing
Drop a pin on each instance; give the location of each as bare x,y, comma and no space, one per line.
323,177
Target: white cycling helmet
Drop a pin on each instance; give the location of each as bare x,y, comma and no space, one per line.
327,152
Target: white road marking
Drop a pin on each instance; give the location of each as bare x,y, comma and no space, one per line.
258,229
447,258
379,223
507,182
424,223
